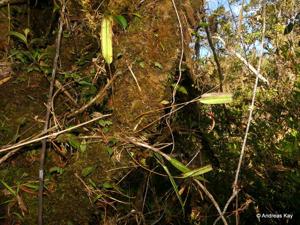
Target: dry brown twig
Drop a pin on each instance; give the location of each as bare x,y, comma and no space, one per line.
14,151
100,193
134,77
8,155
97,98
180,74
181,53
61,87
209,195
48,113
52,135
181,105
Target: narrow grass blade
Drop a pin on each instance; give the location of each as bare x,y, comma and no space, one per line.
178,165
174,185
198,172
8,188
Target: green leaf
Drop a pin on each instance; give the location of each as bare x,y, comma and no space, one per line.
83,146
122,21
56,169
106,39
109,150
88,170
198,172
107,185
178,165
174,185
74,142
158,65
216,98
34,187
20,217
180,88
8,188
98,196
20,36
71,139
105,130
137,15
203,24
85,83
104,123
92,183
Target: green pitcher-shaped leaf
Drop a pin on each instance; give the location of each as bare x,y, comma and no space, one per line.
216,98
106,39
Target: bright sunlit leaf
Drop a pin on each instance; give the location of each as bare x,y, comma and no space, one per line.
106,39
216,98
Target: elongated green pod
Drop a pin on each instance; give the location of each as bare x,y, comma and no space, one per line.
106,39
216,98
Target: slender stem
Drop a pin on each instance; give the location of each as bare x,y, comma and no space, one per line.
52,135
213,49
181,54
47,118
235,188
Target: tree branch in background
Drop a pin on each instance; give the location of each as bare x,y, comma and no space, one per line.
213,49
250,67
241,16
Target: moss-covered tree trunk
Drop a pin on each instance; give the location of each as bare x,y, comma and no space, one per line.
146,58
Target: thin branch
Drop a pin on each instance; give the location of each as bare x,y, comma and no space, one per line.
239,56
253,100
235,189
8,155
181,54
241,16
134,77
179,77
61,87
145,145
53,135
236,28
47,117
219,69
209,195
97,98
